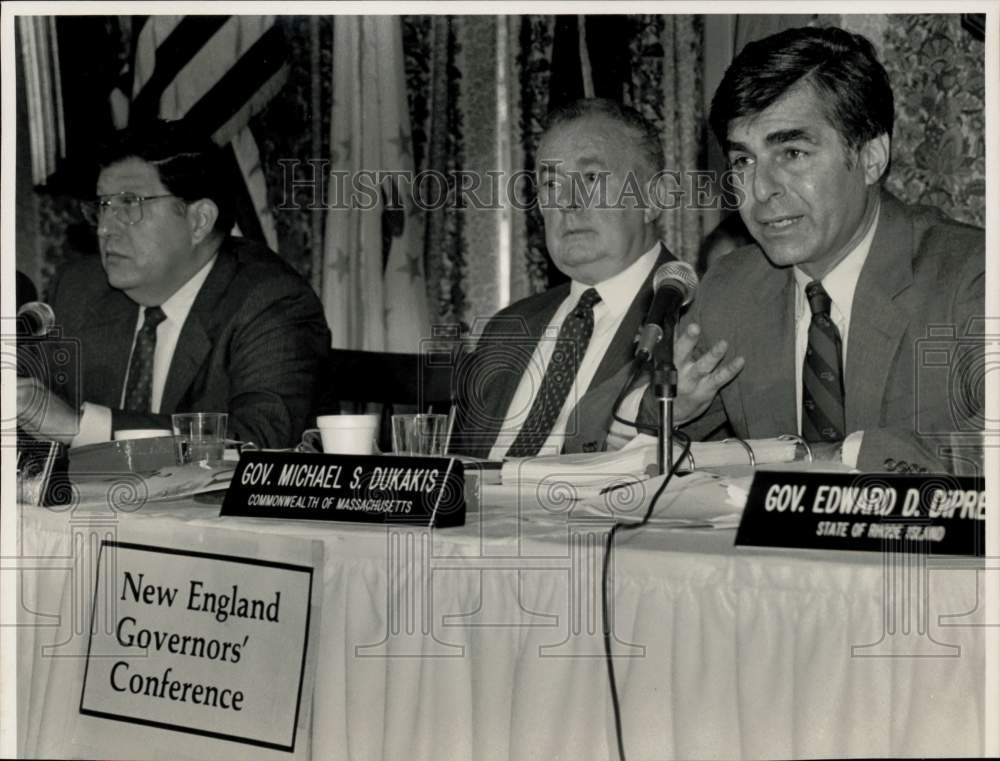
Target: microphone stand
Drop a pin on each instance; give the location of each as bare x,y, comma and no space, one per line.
665,390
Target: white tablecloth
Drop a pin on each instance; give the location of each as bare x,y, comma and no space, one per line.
483,642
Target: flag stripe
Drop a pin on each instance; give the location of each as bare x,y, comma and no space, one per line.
210,64
240,83
232,126
148,32
172,55
215,73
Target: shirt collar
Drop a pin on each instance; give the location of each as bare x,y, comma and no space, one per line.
841,281
618,291
176,308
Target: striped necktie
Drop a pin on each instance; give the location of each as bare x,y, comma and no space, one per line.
571,344
822,373
139,388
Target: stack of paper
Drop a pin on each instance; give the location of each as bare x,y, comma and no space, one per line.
637,461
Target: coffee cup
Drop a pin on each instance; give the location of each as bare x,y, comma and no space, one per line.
344,434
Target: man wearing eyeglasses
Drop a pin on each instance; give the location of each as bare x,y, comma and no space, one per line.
177,315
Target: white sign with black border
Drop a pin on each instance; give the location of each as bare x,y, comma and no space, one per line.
200,643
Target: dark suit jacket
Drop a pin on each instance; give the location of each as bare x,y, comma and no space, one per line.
921,291
252,345
487,378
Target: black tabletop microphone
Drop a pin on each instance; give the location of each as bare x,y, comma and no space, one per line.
35,319
674,285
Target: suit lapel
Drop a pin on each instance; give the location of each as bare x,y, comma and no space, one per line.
760,402
195,341
516,340
592,414
622,347
877,323
110,329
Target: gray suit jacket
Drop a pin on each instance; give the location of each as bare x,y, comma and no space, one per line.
914,354
485,380
253,345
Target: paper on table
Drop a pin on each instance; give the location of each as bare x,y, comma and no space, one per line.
637,461
581,469
129,491
715,454
699,498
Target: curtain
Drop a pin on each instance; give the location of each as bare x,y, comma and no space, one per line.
373,288
937,70
666,88
458,118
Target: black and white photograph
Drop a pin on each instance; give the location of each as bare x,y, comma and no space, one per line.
486,381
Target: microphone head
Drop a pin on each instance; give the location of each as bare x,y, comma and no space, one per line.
679,275
37,318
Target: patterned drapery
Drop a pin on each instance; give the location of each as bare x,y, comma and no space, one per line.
666,89
936,67
534,55
939,150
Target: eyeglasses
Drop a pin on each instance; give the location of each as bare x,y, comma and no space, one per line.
127,207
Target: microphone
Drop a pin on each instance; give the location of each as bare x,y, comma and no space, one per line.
674,285
35,319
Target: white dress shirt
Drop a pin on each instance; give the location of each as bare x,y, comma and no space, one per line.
95,422
840,284
617,294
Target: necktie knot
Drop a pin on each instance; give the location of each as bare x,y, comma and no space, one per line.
153,317
588,300
819,299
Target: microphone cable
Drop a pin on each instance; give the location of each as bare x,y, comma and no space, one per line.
605,596
652,429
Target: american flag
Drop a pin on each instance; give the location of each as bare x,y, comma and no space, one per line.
215,72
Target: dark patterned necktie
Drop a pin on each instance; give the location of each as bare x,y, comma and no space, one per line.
574,335
822,373
139,388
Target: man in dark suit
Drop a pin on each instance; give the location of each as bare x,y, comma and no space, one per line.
861,318
176,315
547,369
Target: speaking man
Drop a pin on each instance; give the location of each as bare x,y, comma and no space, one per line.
845,291
547,369
177,315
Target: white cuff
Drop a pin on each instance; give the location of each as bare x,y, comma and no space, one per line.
850,450
95,425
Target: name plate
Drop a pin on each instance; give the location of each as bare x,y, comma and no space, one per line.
427,491
941,514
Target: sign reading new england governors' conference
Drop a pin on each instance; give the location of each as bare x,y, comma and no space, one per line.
200,643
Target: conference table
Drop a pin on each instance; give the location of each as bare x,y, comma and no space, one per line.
485,641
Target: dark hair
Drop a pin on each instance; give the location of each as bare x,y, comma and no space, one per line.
841,67
647,136
190,166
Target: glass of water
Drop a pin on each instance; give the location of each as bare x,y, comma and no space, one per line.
200,436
